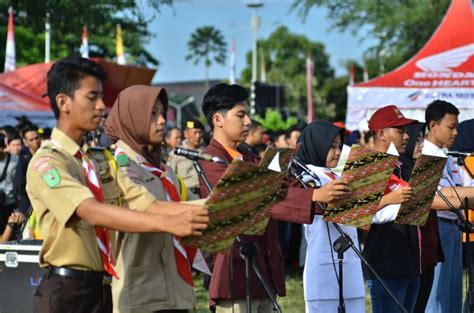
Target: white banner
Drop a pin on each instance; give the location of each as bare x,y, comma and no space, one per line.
363,101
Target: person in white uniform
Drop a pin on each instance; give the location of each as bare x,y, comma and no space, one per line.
320,150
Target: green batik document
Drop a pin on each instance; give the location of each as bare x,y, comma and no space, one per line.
240,203
368,173
424,180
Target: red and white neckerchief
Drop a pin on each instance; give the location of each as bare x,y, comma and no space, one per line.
184,256
323,173
102,233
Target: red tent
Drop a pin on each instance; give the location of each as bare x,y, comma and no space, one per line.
443,69
21,91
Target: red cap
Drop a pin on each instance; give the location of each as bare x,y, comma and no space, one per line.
388,116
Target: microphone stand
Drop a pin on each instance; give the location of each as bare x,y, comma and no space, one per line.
340,246
463,224
248,251
469,262
23,225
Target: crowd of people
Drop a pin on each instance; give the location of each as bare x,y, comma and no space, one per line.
111,207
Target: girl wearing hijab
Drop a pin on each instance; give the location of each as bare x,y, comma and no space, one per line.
154,274
320,149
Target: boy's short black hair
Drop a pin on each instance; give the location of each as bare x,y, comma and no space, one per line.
254,125
222,98
290,130
65,76
169,130
12,137
28,128
437,109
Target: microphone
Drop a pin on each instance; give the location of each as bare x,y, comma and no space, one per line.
459,154
198,155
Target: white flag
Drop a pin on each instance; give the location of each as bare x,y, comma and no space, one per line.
232,79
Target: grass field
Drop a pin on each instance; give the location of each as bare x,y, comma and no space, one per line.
292,303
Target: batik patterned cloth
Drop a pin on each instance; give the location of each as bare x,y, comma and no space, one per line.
424,180
368,173
242,199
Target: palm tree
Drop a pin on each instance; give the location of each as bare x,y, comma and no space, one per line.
207,44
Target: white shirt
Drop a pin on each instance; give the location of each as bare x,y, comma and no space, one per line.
450,177
319,278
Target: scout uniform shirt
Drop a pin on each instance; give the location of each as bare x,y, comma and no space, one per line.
184,168
56,186
147,261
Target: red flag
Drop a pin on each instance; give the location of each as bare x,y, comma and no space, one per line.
351,74
10,55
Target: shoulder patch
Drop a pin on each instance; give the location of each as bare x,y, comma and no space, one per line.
41,164
122,160
51,177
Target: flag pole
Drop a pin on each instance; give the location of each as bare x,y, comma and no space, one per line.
309,88
47,40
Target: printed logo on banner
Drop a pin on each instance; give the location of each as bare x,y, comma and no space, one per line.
414,96
444,70
444,61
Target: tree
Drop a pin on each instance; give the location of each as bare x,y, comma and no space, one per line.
207,44
273,121
400,27
67,18
285,61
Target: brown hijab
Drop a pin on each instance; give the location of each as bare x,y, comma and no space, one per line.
130,119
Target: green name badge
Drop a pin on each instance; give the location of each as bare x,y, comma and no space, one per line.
122,160
51,177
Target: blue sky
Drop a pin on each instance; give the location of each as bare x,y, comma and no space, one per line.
173,28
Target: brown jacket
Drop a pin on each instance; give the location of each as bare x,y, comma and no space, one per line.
228,279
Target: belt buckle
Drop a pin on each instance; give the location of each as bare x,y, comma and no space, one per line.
106,280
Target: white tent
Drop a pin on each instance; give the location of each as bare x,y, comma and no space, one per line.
443,69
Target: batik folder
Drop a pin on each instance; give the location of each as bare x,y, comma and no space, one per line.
368,173
424,180
241,201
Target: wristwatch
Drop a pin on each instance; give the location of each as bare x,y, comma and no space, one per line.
11,224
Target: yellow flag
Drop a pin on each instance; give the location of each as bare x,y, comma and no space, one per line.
119,46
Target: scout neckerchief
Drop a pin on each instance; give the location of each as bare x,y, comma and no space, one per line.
324,175
102,234
183,255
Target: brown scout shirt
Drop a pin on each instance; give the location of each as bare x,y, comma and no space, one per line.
56,186
146,261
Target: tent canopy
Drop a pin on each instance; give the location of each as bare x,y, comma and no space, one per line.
443,69
21,91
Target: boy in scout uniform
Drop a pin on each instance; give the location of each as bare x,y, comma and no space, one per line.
72,195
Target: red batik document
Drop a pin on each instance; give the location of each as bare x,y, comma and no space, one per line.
368,173
241,201
424,180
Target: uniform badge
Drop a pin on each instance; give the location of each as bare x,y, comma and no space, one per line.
51,177
122,160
